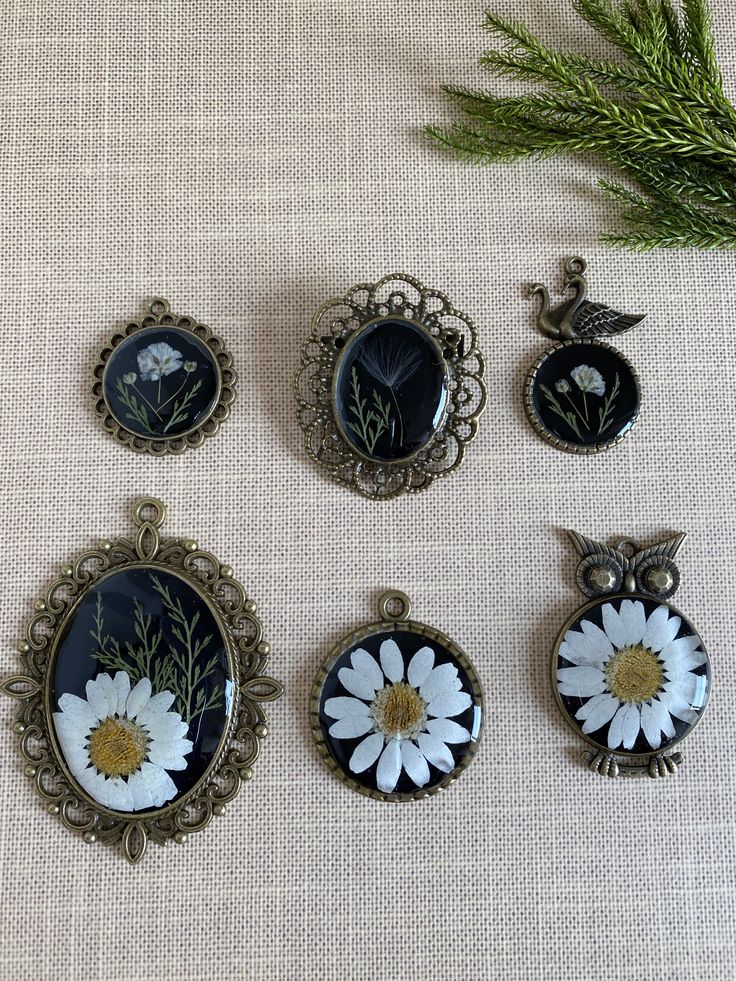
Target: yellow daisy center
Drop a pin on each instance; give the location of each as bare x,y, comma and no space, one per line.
117,747
399,710
634,674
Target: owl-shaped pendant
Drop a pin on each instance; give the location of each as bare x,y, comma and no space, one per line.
630,673
581,395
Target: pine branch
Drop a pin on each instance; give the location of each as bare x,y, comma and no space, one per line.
657,112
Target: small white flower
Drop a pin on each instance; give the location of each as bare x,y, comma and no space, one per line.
119,743
406,724
190,366
588,379
563,386
129,378
634,674
158,360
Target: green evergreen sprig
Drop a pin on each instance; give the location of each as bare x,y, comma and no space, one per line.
657,112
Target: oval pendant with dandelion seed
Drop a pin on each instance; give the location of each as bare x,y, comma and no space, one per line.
390,390
390,387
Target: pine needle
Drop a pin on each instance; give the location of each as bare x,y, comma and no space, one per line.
657,112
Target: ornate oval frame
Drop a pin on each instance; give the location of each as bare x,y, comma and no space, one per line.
248,656
399,622
159,315
405,298
539,426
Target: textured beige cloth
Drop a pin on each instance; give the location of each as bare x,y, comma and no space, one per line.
249,160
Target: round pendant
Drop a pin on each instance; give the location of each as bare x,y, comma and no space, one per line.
582,396
397,708
143,678
630,673
390,387
165,384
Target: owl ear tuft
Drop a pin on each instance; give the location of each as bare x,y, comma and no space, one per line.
588,546
668,549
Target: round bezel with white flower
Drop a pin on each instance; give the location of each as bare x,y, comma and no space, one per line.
142,689
631,674
397,709
582,395
164,384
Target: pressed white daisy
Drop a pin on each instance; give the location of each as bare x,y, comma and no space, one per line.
406,722
588,379
119,743
635,674
158,360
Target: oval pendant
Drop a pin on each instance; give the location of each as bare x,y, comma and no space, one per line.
407,363
165,384
142,688
581,395
390,388
397,708
631,674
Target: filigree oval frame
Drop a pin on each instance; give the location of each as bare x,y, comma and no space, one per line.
247,654
400,297
159,315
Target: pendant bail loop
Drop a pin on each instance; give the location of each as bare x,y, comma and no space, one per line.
391,598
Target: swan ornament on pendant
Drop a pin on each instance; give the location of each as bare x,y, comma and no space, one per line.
582,395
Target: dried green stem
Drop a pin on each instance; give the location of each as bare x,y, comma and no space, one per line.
657,112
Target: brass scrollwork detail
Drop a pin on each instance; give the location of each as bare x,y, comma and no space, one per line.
455,334
248,659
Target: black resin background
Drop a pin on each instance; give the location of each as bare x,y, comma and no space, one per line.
605,360
573,703
409,643
75,664
388,350
124,360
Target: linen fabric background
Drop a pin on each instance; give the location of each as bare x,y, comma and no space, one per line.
248,161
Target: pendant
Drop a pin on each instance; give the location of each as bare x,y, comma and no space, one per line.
630,672
397,708
390,387
582,395
166,383
141,689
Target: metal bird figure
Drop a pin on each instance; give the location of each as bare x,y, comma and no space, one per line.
579,317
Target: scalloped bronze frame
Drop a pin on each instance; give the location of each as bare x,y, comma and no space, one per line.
248,656
159,315
402,297
386,622
539,426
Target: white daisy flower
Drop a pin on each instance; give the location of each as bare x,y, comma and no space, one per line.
158,360
406,724
119,743
588,379
635,674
